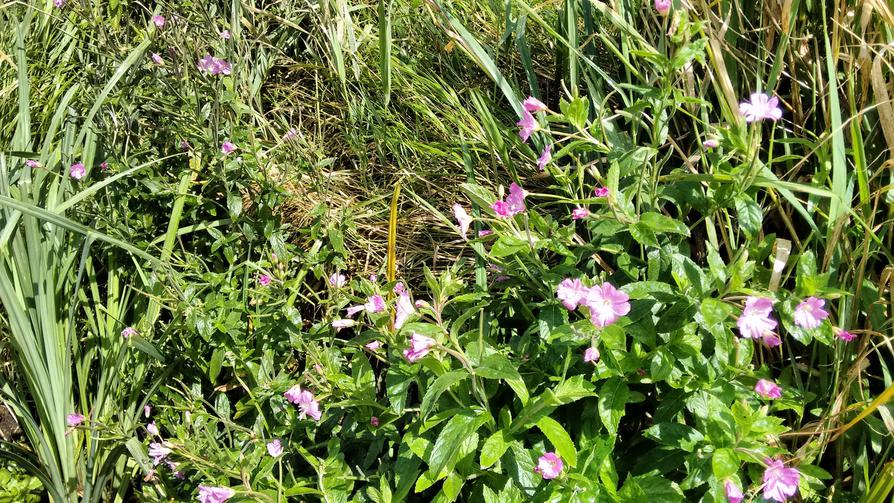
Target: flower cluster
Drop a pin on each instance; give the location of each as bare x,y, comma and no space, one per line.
304,399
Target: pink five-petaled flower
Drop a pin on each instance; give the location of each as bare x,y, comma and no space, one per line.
733,492
225,34
375,304
227,148
31,163
214,66
810,313
305,401
159,21
399,288
74,419
210,494
462,218
374,421
533,105
768,389
514,203
571,292
591,355
374,345
780,483
606,304
600,192
545,157
59,3
157,59
128,331
844,335
264,279
579,213
761,107
527,125
420,345
755,321
152,428
404,310
77,171
159,452
663,6
290,135
711,143
337,280
274,448
549,466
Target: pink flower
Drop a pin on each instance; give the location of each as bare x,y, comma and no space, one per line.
711,143
31,163
374,277
606,304
209,494
768,389
184,145
780,483
152,428
514,203
157,59
571,292
501,209
733,492
844,335
290,135
305,401
104,166
343,323
404,310
128,331
420,345
810,313
591,355
274,448
374,421
77,171
600,192
663,6
147,410
159,21
420,303
761,107
225,35
533,105
528,125
59,3
374,345
579,213
227,148
399,288
484,232
755,321
214,66
549,466
545,157
462,218
351,311
375,304
337,280
74,419
159,452
264,279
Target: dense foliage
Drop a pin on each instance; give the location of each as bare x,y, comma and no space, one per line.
427,250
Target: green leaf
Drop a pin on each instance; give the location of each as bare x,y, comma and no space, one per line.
661,365
508,245
560,439
497,366
662,223
494,447
612,399
446,448
441,384
643,235
575,111
215,364
573,389
676,435
724,463
750,215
